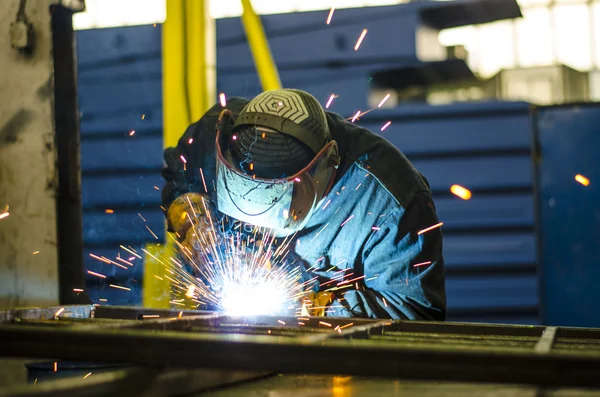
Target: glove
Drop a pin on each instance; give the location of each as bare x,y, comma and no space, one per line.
180,214
315,303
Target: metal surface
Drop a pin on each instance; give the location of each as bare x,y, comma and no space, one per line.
404,350
39,170
146,382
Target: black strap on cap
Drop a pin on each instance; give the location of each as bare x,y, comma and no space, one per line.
281,124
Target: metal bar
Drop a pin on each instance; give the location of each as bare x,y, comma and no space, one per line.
47,313
321,354
68,191
259,46
146,382
544,344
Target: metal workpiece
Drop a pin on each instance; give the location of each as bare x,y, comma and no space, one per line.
529,355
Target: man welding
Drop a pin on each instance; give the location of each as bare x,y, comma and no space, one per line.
354,203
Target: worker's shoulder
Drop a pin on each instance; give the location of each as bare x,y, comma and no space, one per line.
386,163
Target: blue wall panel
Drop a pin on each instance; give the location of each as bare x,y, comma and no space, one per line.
484,211
569,212
302,39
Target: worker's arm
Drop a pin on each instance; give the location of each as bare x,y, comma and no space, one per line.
395,287
194,151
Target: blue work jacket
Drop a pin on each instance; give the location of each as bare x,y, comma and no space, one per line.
367,227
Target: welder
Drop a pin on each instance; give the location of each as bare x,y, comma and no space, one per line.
356,206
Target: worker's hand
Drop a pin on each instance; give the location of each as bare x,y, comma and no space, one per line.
315,303
186,213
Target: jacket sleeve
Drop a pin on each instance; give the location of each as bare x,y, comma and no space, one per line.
404,271
194,151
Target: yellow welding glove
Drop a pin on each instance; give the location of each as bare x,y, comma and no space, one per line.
315,303
186,211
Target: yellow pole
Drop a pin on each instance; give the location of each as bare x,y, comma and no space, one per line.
259,46
189,90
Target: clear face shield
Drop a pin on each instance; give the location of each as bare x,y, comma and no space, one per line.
283,204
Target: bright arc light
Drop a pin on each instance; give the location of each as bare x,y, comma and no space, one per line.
254,298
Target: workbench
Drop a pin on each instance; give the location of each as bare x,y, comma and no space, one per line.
137,351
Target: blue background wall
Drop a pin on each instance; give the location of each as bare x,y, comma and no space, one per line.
568,140
490,245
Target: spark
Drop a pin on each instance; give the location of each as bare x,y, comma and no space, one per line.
301,323
281,322
430,228
132,133
326,204
355,116
180,315
386,125
87,376
109,211
203,181
375,228
234,137
330,15
150,230
140,215
422,264
4,215
385,98
461,192
183,159
59,312
131,251
297,179
119,287
96,274
222,99
347,325
77,290
351,281
331,98
190,291
101,259
150,316
360,39
384,302
582,179
102,300
324,323
190,141
55,366
35,252
143,116
156,187
347,220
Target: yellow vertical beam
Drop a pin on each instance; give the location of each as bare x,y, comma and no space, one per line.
189,90
259,46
